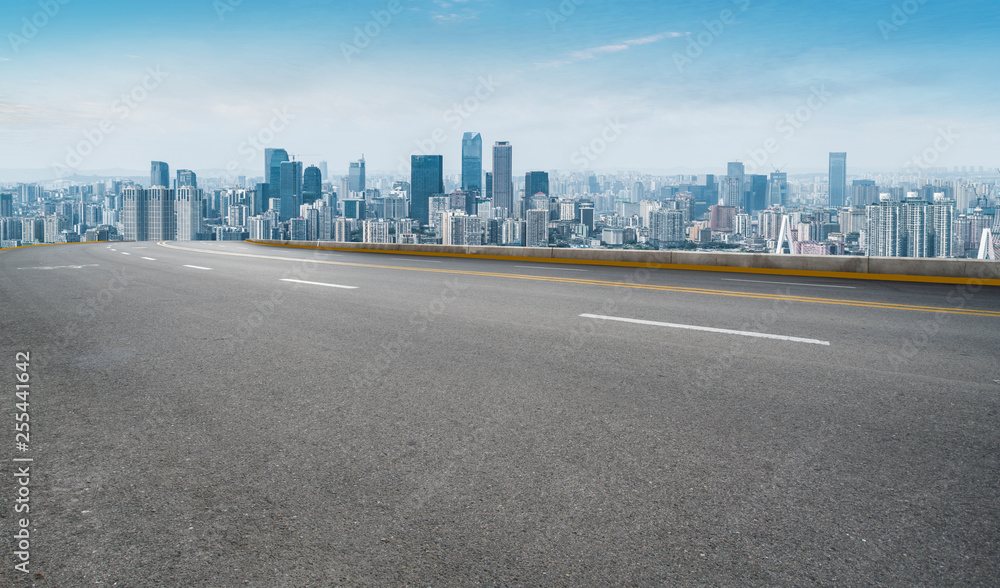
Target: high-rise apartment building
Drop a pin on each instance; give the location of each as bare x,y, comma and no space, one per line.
503,179
944,222
135,202
536,226
667,227
838,179
918,229
161,225
863,193
187,209
883,237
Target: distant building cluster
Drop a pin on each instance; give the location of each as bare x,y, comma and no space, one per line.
904,215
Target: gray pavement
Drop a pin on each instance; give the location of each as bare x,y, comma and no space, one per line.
456,422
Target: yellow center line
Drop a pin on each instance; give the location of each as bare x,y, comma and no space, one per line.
584,281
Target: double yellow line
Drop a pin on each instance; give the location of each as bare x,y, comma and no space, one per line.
787,298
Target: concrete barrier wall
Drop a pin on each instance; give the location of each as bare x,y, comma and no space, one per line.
840,266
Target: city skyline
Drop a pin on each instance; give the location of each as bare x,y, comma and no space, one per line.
653,86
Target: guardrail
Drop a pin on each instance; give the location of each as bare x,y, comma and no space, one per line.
946,271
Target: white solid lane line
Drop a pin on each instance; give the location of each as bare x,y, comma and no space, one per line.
416,259
708,329
319,284
149,258
561,269
787,283
198,267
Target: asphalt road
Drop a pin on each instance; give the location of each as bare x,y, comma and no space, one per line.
197,419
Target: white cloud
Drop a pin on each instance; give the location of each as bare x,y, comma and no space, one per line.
594,52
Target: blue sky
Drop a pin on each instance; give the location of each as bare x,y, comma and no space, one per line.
682,86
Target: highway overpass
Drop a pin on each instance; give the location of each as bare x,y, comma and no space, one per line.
232,414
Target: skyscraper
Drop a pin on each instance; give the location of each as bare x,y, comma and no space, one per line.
186,178
883,237
187,208
135,201
6,205
777,189
918,227
426,180
535,182
503,179
356,176
472,162
273,158
161,223
864,192
290,189
733,186
838,179
312,184
757,195
537,228
944,236
488,187
159,174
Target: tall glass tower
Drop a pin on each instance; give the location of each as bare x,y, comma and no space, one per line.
159,174
291,189
356,176
312,185
503,180
472,162
838,179
426,180
273,158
